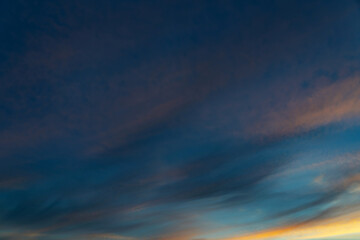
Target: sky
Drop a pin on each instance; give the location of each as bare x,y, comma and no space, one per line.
180,120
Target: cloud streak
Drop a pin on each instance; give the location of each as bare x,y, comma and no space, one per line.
185,120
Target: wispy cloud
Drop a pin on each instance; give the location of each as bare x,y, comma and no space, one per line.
329,104
324,228
115,119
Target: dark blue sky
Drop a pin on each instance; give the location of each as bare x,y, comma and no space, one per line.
179,120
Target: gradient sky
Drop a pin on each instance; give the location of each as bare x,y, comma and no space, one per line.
179,120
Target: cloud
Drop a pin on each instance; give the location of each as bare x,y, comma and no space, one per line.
324,228
325,105
115,115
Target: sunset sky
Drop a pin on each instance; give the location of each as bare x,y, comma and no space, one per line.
179,120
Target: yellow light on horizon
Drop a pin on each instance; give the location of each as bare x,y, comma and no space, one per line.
318,230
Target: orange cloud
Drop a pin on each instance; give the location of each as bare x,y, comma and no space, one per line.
325,105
